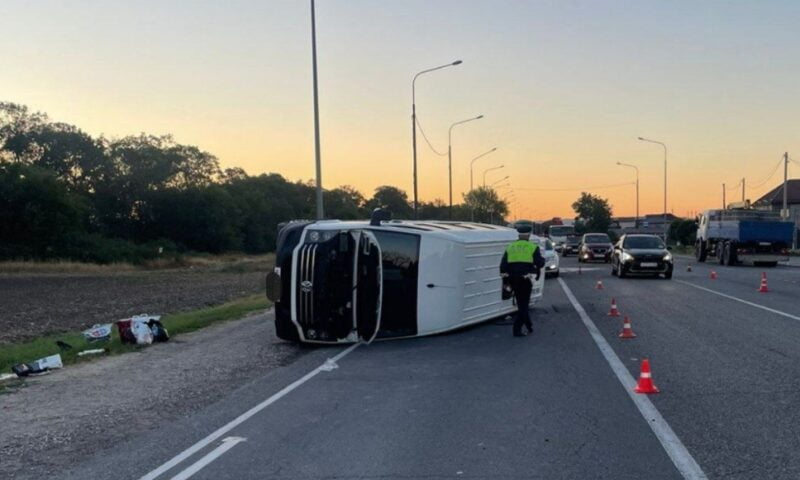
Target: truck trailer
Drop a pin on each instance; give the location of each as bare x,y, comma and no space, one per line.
743,235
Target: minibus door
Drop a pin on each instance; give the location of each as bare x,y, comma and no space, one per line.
367,287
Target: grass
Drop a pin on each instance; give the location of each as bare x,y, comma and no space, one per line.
176,324
226,263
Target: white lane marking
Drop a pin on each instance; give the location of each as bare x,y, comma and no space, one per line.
246,415
227,444
762,307
680,456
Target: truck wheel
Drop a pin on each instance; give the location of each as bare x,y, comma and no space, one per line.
700,251
730,254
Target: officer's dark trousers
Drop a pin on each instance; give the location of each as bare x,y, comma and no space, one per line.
522,294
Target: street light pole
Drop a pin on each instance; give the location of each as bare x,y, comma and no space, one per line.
666,227
320,209
450,159
414,125
472,162
489,170
495,183
636,223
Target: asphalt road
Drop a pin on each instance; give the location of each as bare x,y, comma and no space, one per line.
480,404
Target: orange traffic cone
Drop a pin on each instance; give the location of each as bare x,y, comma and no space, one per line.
627,331
599,285
646,384
763,288
613,312
713,275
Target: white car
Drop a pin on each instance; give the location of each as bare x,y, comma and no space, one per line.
551,265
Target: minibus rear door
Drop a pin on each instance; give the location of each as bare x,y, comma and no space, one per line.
368,287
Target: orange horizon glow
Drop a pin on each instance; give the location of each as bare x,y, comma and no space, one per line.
565,90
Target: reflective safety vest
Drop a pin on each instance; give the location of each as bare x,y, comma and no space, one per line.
521,251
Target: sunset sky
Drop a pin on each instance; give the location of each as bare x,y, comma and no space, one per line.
565,87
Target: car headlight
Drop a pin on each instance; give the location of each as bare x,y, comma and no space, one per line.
315,236
627,257
667,257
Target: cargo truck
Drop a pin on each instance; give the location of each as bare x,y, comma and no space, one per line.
743,235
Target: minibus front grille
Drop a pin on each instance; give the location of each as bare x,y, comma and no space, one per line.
305,283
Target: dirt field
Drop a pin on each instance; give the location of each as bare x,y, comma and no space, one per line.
32,304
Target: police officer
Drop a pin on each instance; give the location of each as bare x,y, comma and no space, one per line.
521,262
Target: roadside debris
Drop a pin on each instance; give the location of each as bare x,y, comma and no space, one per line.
38,367
63,346
7,376
142,329
49,362
98,332
94,351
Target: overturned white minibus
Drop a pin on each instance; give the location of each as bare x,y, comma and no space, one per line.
345,281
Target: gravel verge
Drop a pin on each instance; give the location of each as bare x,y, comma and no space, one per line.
55,421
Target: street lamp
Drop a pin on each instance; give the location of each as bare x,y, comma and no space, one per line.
495,183
637,190
666,227
472,162
489,170
414,123
317,156
450,158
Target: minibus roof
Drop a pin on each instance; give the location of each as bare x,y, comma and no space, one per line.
463,232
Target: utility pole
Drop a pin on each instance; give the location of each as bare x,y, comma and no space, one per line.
320,210
743,190
723,197
785,209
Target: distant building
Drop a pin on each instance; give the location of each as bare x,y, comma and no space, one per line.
773,200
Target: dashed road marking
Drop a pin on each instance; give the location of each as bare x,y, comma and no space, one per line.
680,456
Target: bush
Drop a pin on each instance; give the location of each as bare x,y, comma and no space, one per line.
95,248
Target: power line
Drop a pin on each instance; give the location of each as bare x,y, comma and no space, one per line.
430,145
756,185
598,187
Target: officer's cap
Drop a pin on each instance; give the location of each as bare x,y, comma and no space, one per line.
524,229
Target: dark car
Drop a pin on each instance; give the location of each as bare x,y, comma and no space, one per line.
594,247
641,254
572,245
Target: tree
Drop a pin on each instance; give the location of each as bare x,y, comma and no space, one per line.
345,203
38,215
593,213
393,199
485,205
435,210
683,231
